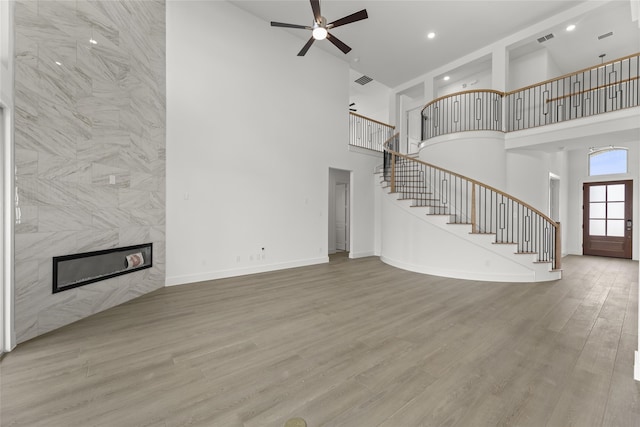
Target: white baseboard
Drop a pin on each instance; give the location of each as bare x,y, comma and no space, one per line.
223,274
457,274
361,254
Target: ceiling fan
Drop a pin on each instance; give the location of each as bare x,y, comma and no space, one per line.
320,28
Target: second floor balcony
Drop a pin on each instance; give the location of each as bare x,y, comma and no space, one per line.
611,86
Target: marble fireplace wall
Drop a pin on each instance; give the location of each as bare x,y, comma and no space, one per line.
89,150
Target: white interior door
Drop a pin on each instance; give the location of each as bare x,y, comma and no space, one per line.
341,217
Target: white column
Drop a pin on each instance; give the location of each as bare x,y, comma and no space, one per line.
499,68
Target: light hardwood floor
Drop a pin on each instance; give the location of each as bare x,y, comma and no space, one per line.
349,343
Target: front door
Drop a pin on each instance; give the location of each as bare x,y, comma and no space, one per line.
607,225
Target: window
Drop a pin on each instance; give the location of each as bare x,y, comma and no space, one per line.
607,161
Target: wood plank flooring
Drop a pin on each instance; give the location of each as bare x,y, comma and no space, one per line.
349,343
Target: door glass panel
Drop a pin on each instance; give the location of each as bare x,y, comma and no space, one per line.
615,193
615,210
615,227
597,210
596,227
597,193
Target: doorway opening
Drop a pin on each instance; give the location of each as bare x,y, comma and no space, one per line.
339,229
554,197
607,223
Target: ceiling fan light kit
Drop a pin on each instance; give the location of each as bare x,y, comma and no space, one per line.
320,28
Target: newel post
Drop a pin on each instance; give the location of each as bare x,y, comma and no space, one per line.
558,248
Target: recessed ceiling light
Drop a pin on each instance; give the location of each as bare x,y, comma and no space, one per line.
58,63
445,78
92,41
431,35
571,27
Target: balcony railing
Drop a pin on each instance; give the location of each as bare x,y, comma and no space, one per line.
461,112
467,201
611,86
608,87
368,133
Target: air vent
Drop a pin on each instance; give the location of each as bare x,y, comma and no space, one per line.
364,80
545,38
604,36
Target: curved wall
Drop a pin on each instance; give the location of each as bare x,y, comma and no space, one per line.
479,155
429,246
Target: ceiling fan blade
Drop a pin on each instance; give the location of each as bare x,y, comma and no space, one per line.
315,7
306,47
358,16
282,24
339,44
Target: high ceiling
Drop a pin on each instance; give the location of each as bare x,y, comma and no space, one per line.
392,45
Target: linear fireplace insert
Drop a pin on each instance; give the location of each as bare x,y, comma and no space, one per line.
71,271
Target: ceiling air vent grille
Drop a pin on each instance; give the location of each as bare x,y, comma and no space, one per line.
545,38
604,36
364,80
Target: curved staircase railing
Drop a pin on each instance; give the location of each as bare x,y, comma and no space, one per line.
463,111
467,201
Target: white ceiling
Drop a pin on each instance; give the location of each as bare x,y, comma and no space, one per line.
392,48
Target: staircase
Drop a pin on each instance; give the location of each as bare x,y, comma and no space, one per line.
442,223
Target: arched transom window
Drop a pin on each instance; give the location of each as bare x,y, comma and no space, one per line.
607,161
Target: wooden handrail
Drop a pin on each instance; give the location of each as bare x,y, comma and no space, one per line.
594,67
473,181
497,92
371,120
592,89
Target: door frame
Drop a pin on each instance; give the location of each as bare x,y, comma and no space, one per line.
346,215
631,207
339,176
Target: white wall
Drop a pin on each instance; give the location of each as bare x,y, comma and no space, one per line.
371,99
528,69
479,155
528,176
480,80
252,130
